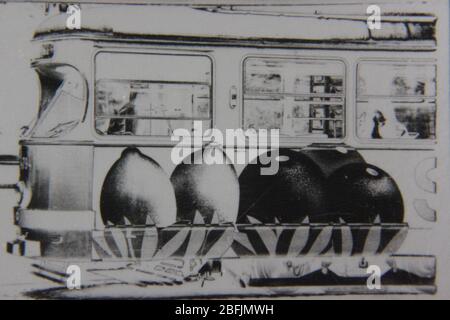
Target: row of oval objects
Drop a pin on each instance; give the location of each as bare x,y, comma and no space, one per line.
321,185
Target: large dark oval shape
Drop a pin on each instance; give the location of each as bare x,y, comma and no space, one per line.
360,192
297,190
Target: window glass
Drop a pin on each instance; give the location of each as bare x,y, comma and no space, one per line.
396,101
396,80
63,101
300,97
170,92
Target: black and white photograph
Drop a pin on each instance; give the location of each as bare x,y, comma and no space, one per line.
224,149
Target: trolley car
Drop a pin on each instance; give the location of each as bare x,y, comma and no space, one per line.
361,115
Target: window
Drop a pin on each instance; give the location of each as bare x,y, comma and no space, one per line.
301,97
63,101
151,94
396,100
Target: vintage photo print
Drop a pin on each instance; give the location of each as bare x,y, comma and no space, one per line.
224,149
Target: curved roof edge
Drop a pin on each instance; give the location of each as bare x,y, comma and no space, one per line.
189,22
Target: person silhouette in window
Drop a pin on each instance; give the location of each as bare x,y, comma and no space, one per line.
378,121
124,125
388,126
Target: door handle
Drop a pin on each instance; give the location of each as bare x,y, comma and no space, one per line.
233,97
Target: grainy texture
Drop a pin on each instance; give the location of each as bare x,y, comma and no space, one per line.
125,172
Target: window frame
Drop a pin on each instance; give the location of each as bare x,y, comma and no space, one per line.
39,118
150,139
295,141
396,142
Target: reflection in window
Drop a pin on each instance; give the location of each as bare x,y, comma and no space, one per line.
63,101
396,101
298,96
157,104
